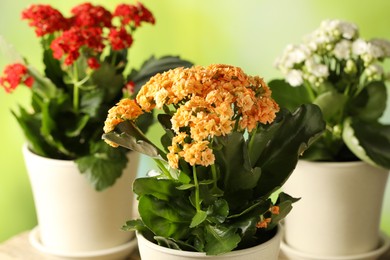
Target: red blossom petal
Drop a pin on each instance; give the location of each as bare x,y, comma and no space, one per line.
45,19
14,75
134,13
88,15
120,39
93,63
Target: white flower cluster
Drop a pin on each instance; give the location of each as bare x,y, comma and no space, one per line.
335,47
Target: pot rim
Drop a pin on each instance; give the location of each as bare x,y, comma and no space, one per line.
241,252
336,164
27,152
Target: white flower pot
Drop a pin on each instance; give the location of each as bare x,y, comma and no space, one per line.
267,251
340,208
72,216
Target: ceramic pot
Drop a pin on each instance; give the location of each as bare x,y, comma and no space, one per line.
267,251
72,216
340,208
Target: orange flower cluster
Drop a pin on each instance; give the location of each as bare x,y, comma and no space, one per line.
209,101
264,221
126,109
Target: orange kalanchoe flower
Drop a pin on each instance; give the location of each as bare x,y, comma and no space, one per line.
208,101
263,223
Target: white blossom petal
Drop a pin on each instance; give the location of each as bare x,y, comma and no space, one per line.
294,78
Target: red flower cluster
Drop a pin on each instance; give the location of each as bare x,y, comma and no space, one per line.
88,30
14,75
45,19
87,15
134,13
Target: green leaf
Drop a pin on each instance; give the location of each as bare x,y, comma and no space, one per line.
78,127
52,66
162,189
288,96
166,242
108,79
231,160
49,127
185,186
42,85
91,103
280,155
152,66
165,218
198,219
332,104
103,165
129,136
370,141
174,244
284,202
30,124
246,223
370,103
220,239
132,225
218,211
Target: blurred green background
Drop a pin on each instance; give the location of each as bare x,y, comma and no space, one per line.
247,33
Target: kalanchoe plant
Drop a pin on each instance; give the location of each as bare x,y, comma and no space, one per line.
343,74
85,59
225,151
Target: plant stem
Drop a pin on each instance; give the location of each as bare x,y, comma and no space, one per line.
163,169
214,174
75,88
310,91
197,201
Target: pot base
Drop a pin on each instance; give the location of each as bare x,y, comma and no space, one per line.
115,253
294,254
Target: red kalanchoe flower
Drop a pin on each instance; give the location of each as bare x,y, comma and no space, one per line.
88,15
71,42
120,39
130,87
134,13
93,63
93,38
14,75
45,19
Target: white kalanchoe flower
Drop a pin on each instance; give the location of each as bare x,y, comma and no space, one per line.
294,78
359,47
383,44
348,30
374,50
292,55
342,50
317,69
374,72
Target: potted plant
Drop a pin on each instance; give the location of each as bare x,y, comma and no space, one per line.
86,71
226,149
343,74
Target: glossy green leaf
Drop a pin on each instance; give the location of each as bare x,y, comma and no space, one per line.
278,159
220,239
218,211
127,135
103,166
332,105
162,189
153,66
371,102
370,141
165,218
198,219
288,96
